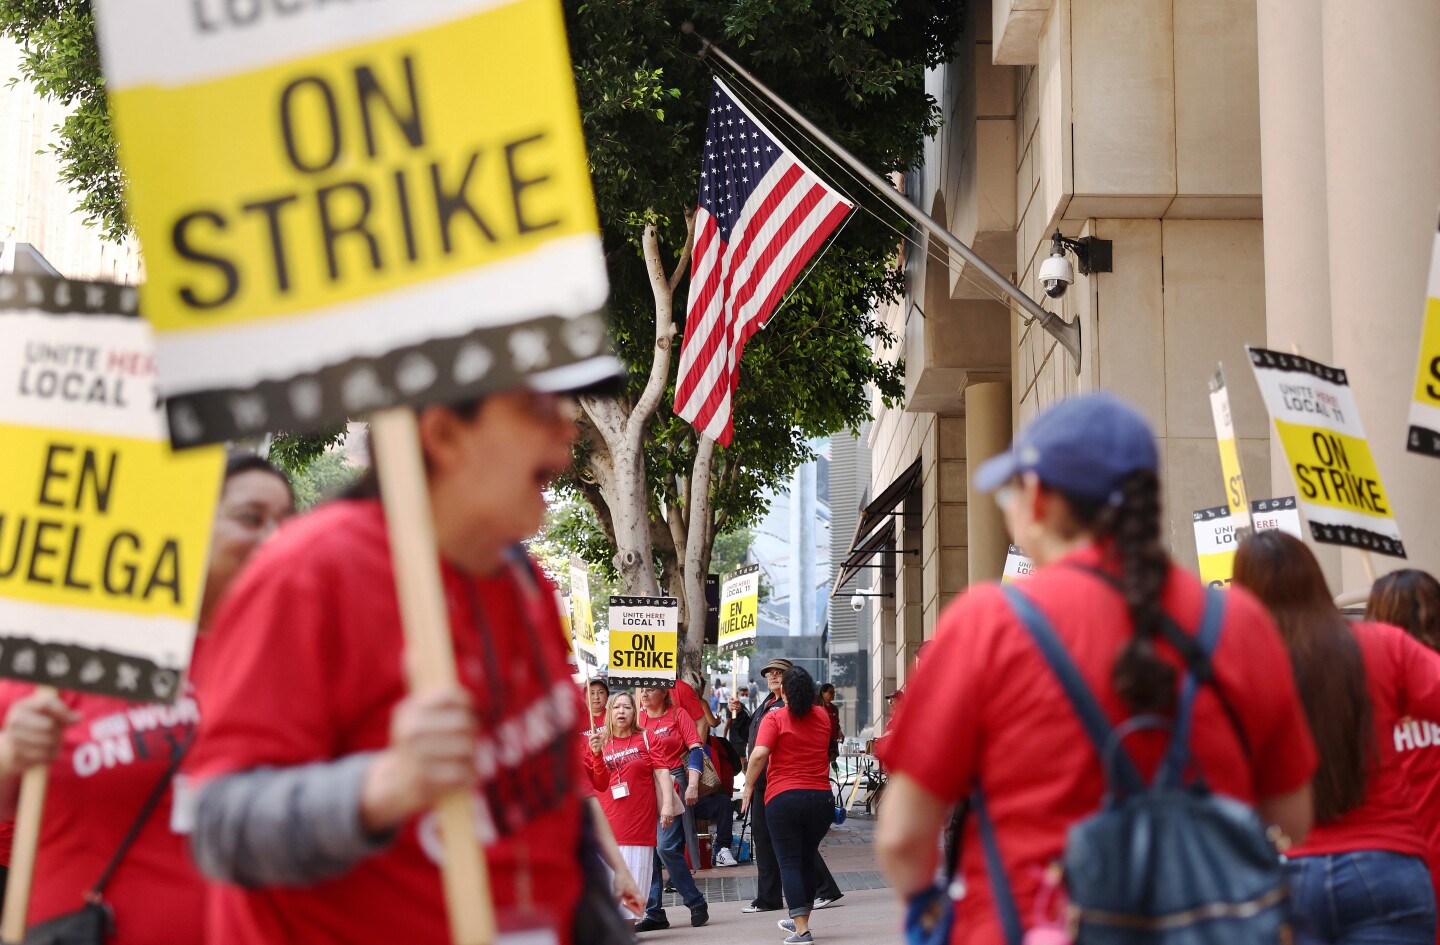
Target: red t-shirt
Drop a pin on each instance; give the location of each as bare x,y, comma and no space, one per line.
595,721
628,761
723,768
1403,678
672,734
684,696
110,761
1418,743
799,750
308,664
985,705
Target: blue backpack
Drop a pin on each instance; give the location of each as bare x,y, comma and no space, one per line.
1168,863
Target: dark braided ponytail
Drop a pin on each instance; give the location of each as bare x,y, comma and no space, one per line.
1145,681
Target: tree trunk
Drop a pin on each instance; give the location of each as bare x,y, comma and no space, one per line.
699,541
617,460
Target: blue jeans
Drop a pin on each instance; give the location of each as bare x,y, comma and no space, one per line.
670,853
798,821
721,809
1368,897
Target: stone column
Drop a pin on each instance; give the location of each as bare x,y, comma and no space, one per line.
987,433
1382,168
1292,172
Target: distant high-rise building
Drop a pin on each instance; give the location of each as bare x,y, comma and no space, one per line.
848,489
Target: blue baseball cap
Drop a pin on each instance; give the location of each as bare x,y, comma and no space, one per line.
1084,446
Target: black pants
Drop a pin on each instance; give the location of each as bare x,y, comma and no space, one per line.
768,894
798,821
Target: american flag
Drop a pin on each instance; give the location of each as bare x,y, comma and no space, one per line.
762,216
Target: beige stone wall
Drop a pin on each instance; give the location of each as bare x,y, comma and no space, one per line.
35,206
1139,124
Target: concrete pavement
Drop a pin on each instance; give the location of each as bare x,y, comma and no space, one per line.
867,914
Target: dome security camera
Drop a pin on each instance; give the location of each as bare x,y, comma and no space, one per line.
857,603
1056,274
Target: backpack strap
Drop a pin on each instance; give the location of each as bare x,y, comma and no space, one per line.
1087,708
1177,755
177,754
995,871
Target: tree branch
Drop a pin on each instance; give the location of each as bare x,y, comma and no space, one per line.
664,333
679,271
606,418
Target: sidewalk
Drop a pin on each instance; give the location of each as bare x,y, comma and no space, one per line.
867,914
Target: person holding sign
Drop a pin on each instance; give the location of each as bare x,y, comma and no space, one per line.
1361,874
635,787
1080,491
319,768
677,744
112,761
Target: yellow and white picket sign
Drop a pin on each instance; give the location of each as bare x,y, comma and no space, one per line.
1235,497
582,614
644,641
1017,565
1319,425
1425,404
1214,544
348,208
104,529
739,609
1215,538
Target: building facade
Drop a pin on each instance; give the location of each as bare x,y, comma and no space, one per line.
36,207
1267,173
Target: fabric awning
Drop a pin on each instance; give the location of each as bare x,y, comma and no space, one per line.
875,532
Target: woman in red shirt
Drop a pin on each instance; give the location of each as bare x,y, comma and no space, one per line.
1080,491
1361,874
676,743
634,785
1410,599
108,756
799,808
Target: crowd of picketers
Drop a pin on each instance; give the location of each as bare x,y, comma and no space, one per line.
1105,751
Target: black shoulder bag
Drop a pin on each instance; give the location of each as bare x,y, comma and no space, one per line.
94,923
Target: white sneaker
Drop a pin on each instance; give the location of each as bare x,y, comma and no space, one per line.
726,858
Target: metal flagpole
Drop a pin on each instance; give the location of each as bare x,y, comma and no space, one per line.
1066,333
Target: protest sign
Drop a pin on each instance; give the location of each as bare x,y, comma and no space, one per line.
1215,537
739,609
343,212
1214,544
1425,402
104,530
582,616
644,641
1017,565
1319,426
1235,497
1282,513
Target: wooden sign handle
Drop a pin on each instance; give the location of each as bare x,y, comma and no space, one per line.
430,655
27,843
